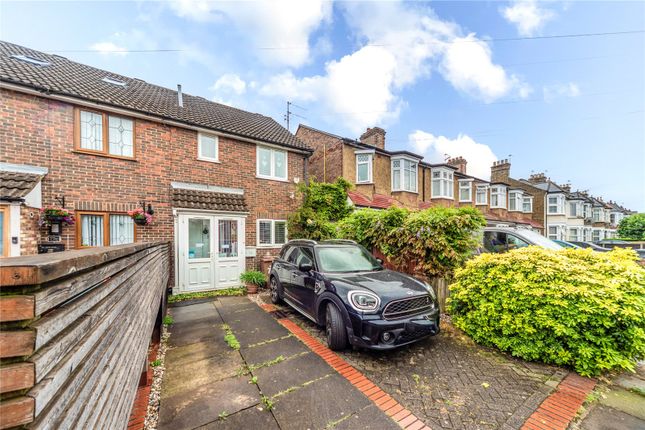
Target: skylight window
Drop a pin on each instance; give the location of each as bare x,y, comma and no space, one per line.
31,60
113,81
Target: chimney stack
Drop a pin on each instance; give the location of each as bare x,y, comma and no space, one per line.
180,96
374,136
537,178
566,187
459,162
500,171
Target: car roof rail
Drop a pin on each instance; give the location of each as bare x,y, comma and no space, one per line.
339,241
308,241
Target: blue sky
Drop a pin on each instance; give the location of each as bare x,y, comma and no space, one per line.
435,75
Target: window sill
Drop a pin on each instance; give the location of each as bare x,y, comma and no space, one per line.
481,204
405,191
442,197
365,183
105,155
498,207
209,160
269,178
465,201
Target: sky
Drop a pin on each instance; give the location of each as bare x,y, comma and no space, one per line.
485,80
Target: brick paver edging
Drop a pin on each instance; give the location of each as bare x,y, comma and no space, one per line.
380,398
560,408
142,398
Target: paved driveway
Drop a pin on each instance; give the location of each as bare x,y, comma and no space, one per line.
451,383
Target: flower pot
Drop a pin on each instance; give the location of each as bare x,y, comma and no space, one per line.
251,289
55,218
140,221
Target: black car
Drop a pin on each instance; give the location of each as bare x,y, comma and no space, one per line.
590,245
340,285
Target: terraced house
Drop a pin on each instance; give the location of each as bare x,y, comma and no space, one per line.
218,181
383,178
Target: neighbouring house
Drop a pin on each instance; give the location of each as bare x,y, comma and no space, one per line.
382,178
218,181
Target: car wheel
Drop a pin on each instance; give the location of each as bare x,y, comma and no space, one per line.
276,296
335,328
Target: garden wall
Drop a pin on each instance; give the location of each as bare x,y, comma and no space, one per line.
74,333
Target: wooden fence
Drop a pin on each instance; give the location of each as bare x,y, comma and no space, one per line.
74,332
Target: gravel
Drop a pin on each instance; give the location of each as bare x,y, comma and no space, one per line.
152,415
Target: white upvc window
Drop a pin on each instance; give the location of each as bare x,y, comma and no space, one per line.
481,196
364,167
575,209
556,232
271,163
596,214
442,183
527,204
573,234
498,197
207,147
404,175
515,201
466,190
556,204
271,233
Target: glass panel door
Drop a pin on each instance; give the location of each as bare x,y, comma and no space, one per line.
199,238
228,238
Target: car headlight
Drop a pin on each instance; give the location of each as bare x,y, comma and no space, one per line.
430,290
363,301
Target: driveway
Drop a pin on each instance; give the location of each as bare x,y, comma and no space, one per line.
449,382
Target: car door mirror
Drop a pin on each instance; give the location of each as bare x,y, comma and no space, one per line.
305,267
379,261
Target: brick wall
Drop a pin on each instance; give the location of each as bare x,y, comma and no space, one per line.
38,131
29,230
326,163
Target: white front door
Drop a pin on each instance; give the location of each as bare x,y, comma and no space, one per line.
210,251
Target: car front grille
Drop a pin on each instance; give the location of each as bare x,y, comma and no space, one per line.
404,308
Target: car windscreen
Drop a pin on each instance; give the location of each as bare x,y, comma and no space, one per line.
346,259
540,240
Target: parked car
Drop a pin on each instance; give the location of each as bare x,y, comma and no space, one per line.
565,244
591,245
339,285
611,242
502,239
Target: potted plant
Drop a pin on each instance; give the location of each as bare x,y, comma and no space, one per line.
54,215
253,280
140,216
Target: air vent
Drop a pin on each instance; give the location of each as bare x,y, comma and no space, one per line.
31,60
113,81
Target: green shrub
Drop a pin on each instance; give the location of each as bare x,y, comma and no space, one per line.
433,241
574,307
632,227
237,291
254,277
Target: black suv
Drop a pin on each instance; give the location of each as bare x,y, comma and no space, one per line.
340,285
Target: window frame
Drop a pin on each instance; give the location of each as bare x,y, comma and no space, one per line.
370,169
450,180
273,243
401,171
106,227
485,188
271,176
502,192
105,132
6,226
528,199
559,204
202,157
516,197
469,187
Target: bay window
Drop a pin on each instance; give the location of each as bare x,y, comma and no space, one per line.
596,214
556,232
103,133
481,197
498,197
556,204
404,175
271,163
515,201
364,168
104,229
271,233
442,183
465,190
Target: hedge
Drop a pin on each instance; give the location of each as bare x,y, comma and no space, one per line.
574,307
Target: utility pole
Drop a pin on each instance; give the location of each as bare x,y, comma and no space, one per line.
287,116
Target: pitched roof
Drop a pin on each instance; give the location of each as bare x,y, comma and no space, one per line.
16,185
65,77
378,201
193,199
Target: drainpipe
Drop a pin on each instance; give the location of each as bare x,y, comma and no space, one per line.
305,169
324,162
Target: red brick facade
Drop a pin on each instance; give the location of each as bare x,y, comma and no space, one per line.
38,131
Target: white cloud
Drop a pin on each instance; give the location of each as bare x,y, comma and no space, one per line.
551,92
435,148
229,83
527,16
279,29
109,48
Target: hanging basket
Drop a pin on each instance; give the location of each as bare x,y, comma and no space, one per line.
140,221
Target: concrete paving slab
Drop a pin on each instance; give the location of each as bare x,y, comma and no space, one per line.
254,326
626,401
369,418
204,404
190,313
183,377
182,355
606,418
269,351
189,332
291,373
319,404
252,418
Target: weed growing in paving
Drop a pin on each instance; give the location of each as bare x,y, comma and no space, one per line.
155,363
416,378
237,291
222,415
267,402
230,338
254,380
168,320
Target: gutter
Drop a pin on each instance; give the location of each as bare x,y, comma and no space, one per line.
141,115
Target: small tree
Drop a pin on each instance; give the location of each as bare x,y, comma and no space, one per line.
632,227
